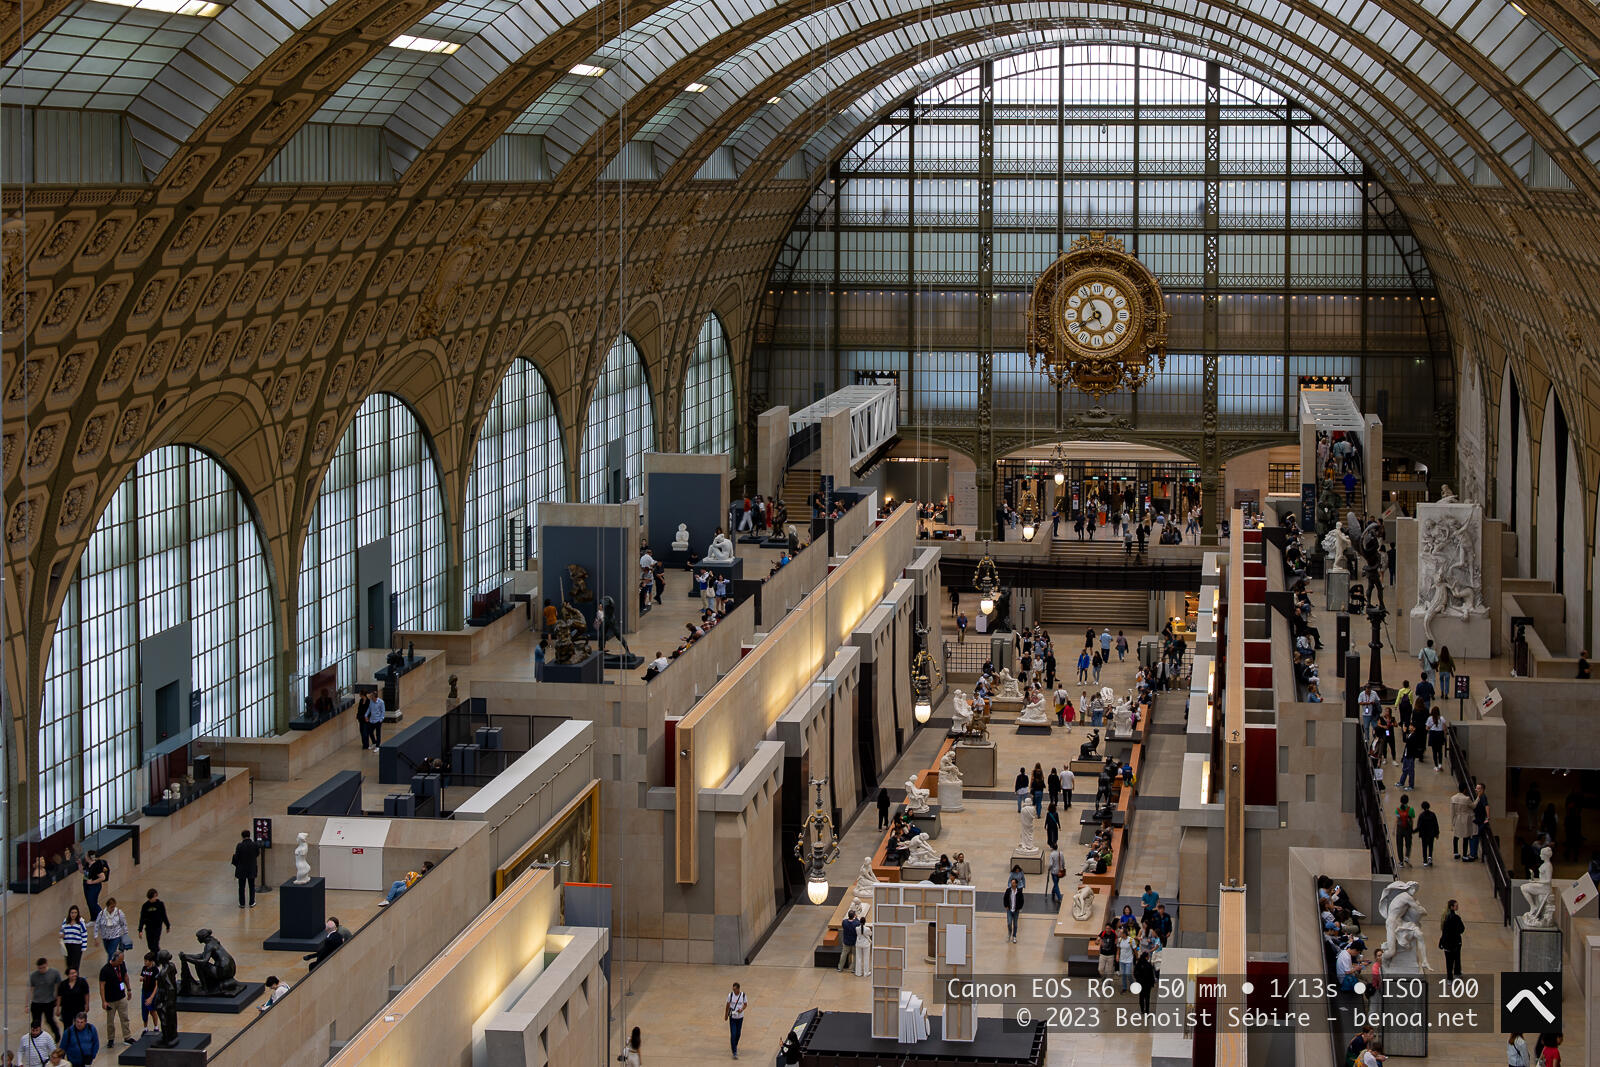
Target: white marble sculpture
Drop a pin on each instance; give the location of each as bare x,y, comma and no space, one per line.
921,853
948,771
1082,903
1402,917
302,865
721,549
1026,845
962,711
1336,543
1009,686
916,799
1122,718
680,540
1034,714
1449,563
1540,895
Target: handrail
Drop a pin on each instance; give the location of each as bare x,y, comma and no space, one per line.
1465,782
1369,817
802,443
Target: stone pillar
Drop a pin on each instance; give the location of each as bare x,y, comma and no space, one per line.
772,449
835,454
1372,477
1212,507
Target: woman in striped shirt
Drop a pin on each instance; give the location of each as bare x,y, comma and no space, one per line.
74,937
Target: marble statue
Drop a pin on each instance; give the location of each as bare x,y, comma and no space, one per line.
948,771
214,969
1009,686
1034,714
1449,563
721,549
680,540
921,853
1446,494
861,892
916,799
1339,548
1540,895
1082,903
1025,818
1122,717
1402,917
302,865
962,712
165,1000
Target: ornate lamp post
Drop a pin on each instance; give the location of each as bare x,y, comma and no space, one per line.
817,847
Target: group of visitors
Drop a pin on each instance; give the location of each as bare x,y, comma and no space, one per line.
757,514
1131,945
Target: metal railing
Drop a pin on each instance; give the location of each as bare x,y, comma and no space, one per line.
966,657
1369,817
1170,575
1466,783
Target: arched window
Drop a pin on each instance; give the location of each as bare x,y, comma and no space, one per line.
374,554
620,428
708,393
519,463
170,601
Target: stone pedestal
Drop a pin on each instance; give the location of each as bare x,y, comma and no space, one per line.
1398,1041
1031,862
977,763
1533,948
302,910
927,821
910,872
1468,637
731,569
1337,589
950,794
590,671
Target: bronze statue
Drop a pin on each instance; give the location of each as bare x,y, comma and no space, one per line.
581,593
165,1001
213,972
571,635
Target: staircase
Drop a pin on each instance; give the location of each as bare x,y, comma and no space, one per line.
1070,611
798,485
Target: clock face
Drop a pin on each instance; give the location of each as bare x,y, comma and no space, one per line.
1098,313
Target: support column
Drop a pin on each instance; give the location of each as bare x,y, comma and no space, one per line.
1211,488
985,451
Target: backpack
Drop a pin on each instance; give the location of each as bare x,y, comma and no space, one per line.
1402,819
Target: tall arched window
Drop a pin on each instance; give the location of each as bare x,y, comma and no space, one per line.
708,393
519,463
620,428
170,600
374,554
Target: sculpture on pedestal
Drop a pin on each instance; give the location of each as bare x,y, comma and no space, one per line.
680,540
571,635
916,799
214,969
948,771
861,892
1090,748
920,853
581,593
1540,895
1402,917
720,549
1082,903
1009,686
962,712
1025,819
165,1000
1449,563
1034,714
611,627
1340,551
302,865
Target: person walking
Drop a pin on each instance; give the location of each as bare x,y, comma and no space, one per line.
883,809
1021,786
72,996
961,628
1083,665
245,854
733,1011
1428,658
1058,869
1450,940
1052,826
1012,900
1405,820
96,872
111,927
35,1047
1053,784
630,1051
1105,645
1036,790
1427,832
1122,646
1144,973
153,919
80,1044
74,937
1516,1051
1096,662
1369,702
114,995
1436,730
1068,780
375,715
955,601
42,983
1416,741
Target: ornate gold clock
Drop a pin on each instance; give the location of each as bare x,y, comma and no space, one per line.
1097,319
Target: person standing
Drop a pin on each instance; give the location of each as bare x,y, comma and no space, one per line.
1516,1051
111,927
74,937
1460,824
1105,645
1053,784
848,930
955,601
96,873
81,1042
114,995
1405,820
540,651
1057,868
1144,972
245,854
961,628
152,919
1368,700
883,809
1095,663
1480,821
42,983
1428,658
1068,780
149,1018
1427,832
1450,940
734,1011
1127,946
1083,665
35,1048
1436,729
1036,790
1012,900
361,718
1416,740
375,715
